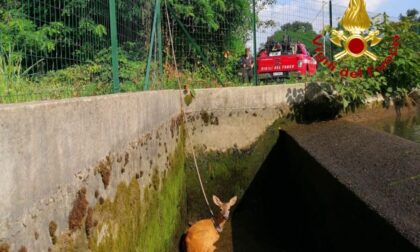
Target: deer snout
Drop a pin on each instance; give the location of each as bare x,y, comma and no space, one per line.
226,215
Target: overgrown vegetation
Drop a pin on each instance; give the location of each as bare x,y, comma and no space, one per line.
397,80
64,50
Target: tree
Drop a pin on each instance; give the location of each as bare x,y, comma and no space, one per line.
396,80
20,35
297,26
297,31
216,25
403,74
411,14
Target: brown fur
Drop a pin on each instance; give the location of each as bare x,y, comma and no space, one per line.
202,235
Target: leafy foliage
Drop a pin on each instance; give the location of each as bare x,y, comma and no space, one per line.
297,26
403,75
296,31
399,77
17,32
217,26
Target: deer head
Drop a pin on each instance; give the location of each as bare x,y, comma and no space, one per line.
224,207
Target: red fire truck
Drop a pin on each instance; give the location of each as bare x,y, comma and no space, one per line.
279,61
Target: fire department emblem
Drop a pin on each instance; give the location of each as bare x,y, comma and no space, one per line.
355,21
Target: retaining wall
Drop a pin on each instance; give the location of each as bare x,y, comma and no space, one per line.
71,167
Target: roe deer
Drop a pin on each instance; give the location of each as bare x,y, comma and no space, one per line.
203,234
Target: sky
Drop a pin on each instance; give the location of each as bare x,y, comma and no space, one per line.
316,12
391,7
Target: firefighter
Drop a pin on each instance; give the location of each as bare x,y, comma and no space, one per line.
247,62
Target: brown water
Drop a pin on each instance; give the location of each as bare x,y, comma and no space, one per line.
406,126
271,216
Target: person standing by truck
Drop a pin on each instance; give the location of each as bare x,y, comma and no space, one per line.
247,63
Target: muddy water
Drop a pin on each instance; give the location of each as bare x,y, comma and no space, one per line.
406,126
272,218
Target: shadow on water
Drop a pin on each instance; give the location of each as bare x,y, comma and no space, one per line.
252,223
294,204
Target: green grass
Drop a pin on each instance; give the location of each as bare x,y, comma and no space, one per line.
78,81
95,79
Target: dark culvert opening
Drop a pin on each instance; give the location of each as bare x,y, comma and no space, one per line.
294,204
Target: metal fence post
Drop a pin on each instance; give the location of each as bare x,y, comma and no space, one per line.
254,30
194,44
331,26
114,46
152,41
159,37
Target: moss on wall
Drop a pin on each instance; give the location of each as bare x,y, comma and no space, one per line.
152,218
129,223
227,173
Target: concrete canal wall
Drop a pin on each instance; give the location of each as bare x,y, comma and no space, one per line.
107,173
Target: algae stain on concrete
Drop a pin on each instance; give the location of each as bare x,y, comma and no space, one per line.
130,223
227,173
104,169
4,247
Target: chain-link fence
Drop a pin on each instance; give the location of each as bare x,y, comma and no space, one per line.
52,49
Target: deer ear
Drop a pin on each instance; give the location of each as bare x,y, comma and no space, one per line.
217,201
233,200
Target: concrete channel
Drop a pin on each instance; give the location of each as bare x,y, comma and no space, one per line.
332,186
114,173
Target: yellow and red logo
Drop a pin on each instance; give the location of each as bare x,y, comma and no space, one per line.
356,22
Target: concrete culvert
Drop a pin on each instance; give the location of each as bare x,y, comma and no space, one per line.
298,200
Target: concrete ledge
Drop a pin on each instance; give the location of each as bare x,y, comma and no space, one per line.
379,169
260,97
223,118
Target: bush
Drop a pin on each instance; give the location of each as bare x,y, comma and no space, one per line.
399,78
